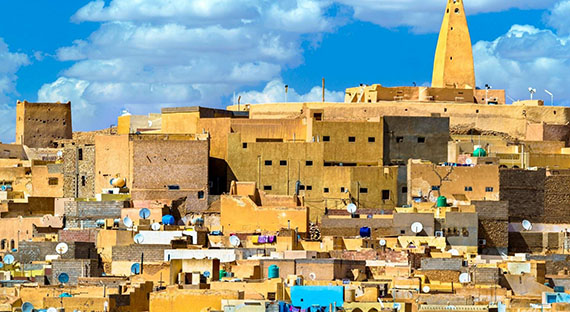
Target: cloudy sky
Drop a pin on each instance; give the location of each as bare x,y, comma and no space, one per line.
141,55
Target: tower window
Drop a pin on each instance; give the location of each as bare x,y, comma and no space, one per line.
267,187
351,139
268,162
456,10
326,138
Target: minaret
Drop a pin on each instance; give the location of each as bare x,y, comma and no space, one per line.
453,64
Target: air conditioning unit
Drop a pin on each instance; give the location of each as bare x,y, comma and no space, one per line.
438,233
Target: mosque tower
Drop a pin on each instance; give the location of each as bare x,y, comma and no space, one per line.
453,64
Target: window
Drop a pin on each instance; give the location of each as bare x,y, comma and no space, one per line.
404,189
371,139
400,139
267,188
283,163
83,182
402,231
308,163
326,138
173,187
326,190
268,163
200,194
342,189
489,189
318,116
363,190
468,189
53,181
309,187
385,194
435,188
301,187
244,145
80,154
351,139
12,245
3,244
421,140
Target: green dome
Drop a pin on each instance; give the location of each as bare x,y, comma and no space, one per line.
479,152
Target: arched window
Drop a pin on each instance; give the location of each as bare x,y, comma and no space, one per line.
12,244
3,244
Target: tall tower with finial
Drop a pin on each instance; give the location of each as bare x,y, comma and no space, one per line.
453,64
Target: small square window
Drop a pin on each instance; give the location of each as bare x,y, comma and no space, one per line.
309,187
363,190
385,194
80,154
267,187
489,189
468,189
435,188
421,140
351,139
371,139
53,181
326,190
173,187
342,189
326,138
308,163
301,187
402,231
318,116
244,145
399,139
283,163
200,194
268,163
404,189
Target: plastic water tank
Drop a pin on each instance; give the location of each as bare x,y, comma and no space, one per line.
441,201
365,232
168,220
223,274
273,271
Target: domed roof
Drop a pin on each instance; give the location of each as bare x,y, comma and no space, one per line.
479,152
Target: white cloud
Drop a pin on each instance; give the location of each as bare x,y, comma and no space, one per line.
525,57
274,92
426,15
10,63
148,54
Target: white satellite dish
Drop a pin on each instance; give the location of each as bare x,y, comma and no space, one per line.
464,278
426,289
139,238
128,222
469,161
234,241
382,242
351,208
527,225
61,248
155,226
417,227
454,252
312,276
52,309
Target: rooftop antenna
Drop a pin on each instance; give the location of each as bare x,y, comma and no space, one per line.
532,92
551,96
510,98
487,87
286,91
323,89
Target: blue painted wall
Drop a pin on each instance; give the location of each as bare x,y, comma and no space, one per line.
306,296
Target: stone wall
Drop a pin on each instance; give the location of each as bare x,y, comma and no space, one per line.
524,190
84,214
493,225
29,251
454,264
78,235
75,268
79,171
152,253
40,125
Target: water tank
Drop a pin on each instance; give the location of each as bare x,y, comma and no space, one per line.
479,152
168,220
118,182
223,274
273,271
441,201
365,232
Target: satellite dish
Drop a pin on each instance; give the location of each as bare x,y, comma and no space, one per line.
206,274
312,276
139,238
527,225
63,278
454,252
136,268
52,309
382,242
426,289
9,259
417,227
464,278
1,265
168,220
155,226
61,248
27,307
234,241
128,222
59,154
351,208
469,161
144,213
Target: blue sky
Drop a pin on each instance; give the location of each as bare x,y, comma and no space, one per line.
146,54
